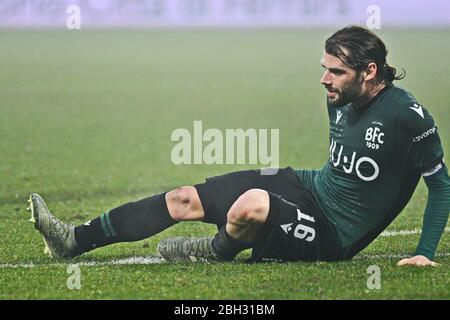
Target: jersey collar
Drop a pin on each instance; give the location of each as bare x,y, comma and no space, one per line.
373,100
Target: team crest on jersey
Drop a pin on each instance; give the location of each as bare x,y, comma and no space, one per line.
374,137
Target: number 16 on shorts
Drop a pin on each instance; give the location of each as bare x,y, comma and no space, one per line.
301,231
304,232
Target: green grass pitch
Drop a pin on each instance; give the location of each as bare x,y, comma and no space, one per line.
86,118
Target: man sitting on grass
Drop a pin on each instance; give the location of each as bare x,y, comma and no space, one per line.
381,141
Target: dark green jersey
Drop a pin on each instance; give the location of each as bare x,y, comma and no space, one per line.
377,156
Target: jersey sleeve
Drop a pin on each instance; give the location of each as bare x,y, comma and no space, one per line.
419,135
436,212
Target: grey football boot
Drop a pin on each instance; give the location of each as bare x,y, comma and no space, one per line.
59,237
182,249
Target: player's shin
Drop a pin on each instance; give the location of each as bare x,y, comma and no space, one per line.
226,247
130,222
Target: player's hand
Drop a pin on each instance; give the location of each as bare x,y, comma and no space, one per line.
419,261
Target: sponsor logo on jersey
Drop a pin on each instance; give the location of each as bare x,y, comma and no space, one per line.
354,163
425,134
374,138
301,231
418,108
338,115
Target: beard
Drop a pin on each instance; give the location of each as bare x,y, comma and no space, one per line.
347,94
341,99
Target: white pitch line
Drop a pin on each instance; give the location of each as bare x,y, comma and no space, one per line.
393,256
126,261
158,259
395,233
19,265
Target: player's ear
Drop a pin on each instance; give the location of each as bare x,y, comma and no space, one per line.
371,71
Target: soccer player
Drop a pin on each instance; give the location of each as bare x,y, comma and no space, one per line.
381,142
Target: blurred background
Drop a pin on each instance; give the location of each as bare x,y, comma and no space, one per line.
229,13
90,91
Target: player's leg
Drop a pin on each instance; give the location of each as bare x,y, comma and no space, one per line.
247,215
245,219
130,222
271,225
236,202
184,204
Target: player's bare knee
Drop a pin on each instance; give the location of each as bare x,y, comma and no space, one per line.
250,208
184,203
178,202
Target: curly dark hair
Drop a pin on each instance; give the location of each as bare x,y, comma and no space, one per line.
356,47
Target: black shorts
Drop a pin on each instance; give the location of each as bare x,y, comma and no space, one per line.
295,230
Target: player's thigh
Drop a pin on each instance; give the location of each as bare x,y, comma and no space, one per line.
295,231
219,193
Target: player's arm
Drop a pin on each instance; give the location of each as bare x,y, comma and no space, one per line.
419,134
435,217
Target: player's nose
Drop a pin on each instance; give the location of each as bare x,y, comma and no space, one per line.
326,79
